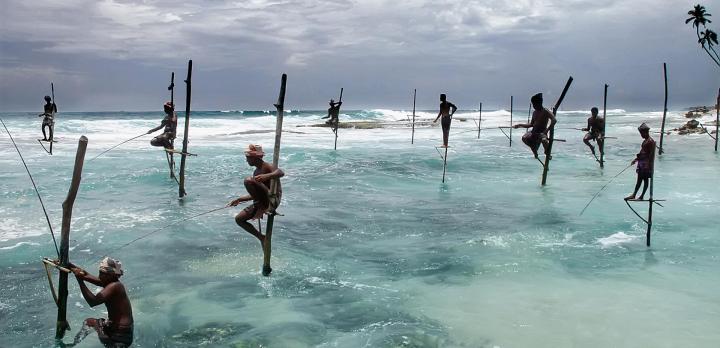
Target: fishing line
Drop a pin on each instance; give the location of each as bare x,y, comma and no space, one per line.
117,146
35,187
604,186
169,225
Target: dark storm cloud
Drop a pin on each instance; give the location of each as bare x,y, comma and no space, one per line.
113,55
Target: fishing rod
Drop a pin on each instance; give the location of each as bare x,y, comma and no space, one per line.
117,146
47,218
604,186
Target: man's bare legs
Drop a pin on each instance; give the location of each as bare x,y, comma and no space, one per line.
261,202
645,182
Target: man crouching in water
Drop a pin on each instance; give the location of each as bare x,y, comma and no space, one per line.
539,126
117,330
170,123
258,188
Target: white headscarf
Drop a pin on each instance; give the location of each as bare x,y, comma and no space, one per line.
111,266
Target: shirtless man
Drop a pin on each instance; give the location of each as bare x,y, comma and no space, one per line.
258,188
447,109
539,126
49,110
333,114
596,131
117,330
170,123
645,160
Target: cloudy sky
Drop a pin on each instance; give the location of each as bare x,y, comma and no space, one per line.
118,54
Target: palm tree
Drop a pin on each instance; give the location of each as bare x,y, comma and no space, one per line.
707,38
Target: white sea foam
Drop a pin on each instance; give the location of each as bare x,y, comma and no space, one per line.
617,239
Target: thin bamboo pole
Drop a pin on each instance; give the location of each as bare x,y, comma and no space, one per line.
412,138
52,129
169,155
188,83
662,128
479,119
511,119
337,121
62,324
548,154
651,202
444,164
717,120
267,244
602,134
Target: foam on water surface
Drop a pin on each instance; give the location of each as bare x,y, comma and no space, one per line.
372,250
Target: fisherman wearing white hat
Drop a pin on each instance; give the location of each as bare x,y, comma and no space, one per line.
117,330
258,188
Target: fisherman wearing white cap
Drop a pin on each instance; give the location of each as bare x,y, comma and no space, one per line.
258,188
117,330
645,160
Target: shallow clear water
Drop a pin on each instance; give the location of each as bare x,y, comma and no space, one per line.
373,250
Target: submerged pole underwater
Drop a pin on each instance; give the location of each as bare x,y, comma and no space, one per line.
412,137
188,83
548,154
62,324
650,211
444,163
662,128
602,147
267,245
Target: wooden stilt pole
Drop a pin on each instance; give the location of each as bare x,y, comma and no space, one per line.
188,83
337,122
267,245
511,119
717,120
479,119
170,156
444,164
662,128
548,153
602,147
412,138
52,129
651,202
529,111
62,324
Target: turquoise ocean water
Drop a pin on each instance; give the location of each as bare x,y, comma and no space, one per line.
372,249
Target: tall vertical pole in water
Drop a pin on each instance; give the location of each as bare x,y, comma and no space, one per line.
511,120
662,128
188,83
52,130
650,208
412,138
169,155
548,153
529,109
267,245
444,164
62,324
479,119
602,134
337,121
717,120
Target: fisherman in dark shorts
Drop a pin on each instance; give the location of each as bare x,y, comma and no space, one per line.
170,123
447,109
333,114
49,110
596,131
538,126
117,330
645,160
258,188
